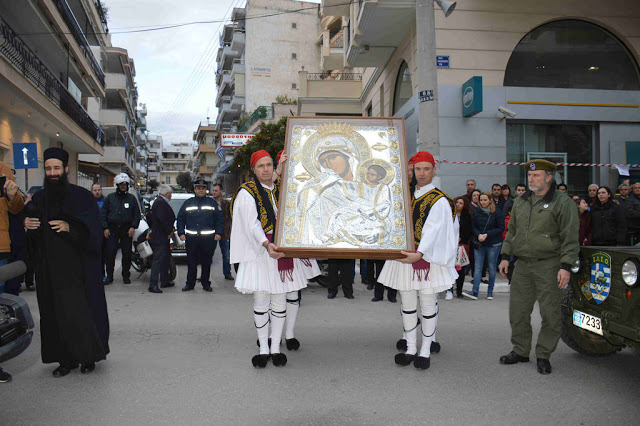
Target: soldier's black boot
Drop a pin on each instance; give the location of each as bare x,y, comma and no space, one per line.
544,366
513,358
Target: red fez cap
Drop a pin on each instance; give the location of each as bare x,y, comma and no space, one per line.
257,156
422,156
278,156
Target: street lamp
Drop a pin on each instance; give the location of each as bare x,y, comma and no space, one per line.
446,6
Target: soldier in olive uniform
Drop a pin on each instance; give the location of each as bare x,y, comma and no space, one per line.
543,235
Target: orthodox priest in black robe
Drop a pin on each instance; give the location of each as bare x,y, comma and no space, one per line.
64,238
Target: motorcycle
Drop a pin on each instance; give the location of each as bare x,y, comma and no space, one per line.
16,322
142,253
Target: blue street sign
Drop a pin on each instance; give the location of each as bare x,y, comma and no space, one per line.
472,96
442,61
25,156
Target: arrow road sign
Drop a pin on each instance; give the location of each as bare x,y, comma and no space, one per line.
25,156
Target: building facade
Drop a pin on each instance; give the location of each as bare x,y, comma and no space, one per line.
155,145
565,73
49,71
176,158
207,155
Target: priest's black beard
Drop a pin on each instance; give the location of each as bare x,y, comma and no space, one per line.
56,190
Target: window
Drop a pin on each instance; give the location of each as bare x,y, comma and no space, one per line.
370,111
294,56
168,180
294,86
294,25
570,141
403,90
572,54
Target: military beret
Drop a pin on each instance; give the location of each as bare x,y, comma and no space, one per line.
539,165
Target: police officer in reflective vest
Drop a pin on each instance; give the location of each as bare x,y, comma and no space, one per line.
200,223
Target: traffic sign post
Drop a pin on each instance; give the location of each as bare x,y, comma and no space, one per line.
25,156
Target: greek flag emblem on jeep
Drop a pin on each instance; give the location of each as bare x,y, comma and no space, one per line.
600,284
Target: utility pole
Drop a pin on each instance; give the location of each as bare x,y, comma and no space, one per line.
428,139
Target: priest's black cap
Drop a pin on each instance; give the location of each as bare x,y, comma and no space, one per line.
56,153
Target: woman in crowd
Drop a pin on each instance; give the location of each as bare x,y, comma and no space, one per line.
464,217
475,201
487,226
608,223
584,235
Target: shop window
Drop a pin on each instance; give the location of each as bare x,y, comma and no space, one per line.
572,54
403,90
554,142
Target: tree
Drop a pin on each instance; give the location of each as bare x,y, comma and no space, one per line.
270,138
184,180
153,184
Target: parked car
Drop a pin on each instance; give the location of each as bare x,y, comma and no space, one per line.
601,307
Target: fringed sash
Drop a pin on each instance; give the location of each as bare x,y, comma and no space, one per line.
285,264
421,269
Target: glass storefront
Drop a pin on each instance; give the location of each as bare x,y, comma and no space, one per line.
573,143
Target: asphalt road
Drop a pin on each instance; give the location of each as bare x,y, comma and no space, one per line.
185,358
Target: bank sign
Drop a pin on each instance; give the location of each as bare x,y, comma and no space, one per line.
231,140
472,96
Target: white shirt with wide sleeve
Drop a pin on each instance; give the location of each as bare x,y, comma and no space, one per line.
257,270
439,247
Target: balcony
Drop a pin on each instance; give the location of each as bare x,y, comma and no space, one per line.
334,8
26,62
227,57
332,51
237,102
238,41
118,155
237,68
78,35
380,27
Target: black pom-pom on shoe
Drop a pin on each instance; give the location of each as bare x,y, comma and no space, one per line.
435,348
422,363
401,345
404,359
260,361
279,360
292,344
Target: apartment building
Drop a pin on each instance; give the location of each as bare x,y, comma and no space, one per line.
176,158
207,155
117,114
259,58
48,74
568,72
142,147
155,145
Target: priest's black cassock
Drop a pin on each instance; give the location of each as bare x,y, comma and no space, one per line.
74,323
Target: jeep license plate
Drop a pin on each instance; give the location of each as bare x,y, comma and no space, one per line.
588,322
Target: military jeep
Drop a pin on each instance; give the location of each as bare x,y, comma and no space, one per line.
601,306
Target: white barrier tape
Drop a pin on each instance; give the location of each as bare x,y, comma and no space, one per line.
511,163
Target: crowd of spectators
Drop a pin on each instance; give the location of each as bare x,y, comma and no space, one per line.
606,219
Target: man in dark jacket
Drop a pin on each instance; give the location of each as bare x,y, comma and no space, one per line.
498,199
120,216
200,224
631,206
162,219
216,193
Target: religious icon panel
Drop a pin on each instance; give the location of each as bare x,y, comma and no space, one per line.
344,190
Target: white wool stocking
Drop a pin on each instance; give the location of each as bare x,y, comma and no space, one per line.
409,302
278,317
293,304
429,308
261,303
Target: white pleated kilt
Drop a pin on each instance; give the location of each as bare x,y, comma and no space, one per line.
399,276
261,274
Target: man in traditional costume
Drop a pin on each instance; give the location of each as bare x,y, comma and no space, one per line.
263,270
64,238
431,268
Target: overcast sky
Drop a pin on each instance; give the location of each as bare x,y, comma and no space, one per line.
165,59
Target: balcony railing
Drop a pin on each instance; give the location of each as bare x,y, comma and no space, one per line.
103,16
16,51
334,76
76,31
262,112
337,41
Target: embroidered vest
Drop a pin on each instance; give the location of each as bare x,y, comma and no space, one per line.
420,208
252,189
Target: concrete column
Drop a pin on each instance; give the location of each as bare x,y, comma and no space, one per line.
428,139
